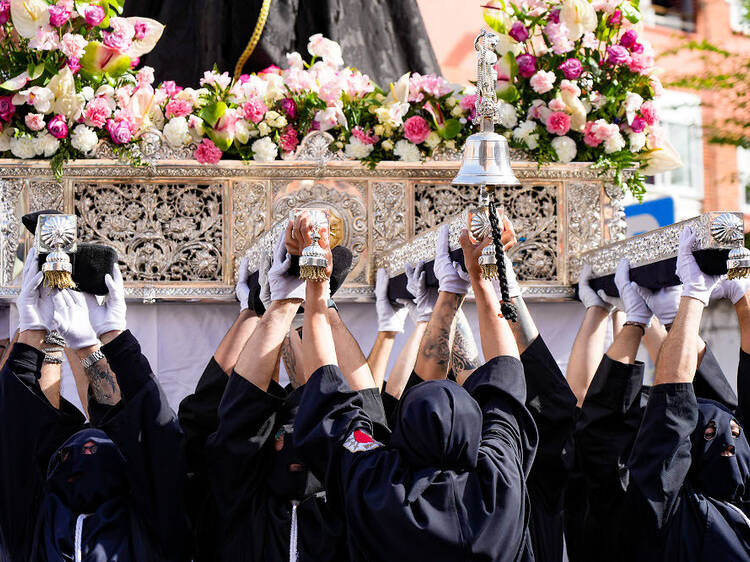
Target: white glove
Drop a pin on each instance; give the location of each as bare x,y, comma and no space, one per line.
4,322
450,275
695,283
241,290
663,303
71,319
110,315
588,296
284,286
390,319
34,310
514,289
732,289
613,303
424,298
636,309
265,287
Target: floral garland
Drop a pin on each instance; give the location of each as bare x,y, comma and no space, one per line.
574,79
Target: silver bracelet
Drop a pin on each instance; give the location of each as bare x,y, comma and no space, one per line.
52,359
54,338
93,358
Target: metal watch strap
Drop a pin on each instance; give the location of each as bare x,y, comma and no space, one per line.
93,358
637,324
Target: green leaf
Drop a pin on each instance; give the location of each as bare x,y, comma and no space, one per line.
496,19
631,13
509,94
451,129
213,112
223,142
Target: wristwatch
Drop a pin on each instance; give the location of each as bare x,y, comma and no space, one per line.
93,358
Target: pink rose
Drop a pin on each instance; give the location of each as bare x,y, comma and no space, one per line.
4,11
288,139
207,152
7,109
640,63
94,15
416,129
519,32
178,108
119,131
363,137
542,81
116,40
58,16
648,112
638,125
34,121
558,123
97,112
629,39
290,107
572,68
617,54
526,65
57,127
254,109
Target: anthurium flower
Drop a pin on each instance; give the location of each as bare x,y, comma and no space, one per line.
579,17
67,101
28,16
99,59
17,82
147,34
223,132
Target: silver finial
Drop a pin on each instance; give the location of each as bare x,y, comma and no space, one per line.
486,105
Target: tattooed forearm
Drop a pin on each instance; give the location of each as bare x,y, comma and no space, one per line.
103,383
290,362
524,330
464,353
435,351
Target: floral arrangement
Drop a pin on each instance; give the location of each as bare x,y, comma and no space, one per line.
575,80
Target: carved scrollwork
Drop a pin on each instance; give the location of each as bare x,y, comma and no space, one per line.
45,195
584,223
9,227
162,232
315,148
388,215
248,214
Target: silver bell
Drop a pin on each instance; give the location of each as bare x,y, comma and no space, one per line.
486,162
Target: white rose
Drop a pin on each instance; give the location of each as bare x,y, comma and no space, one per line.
614,143
23,147
355,149
263,128
508,117
387,145
407,151
176,132
432,140
45,144
565,148
87,92
84,139
294,60
579,17
633,103
264,150
637,141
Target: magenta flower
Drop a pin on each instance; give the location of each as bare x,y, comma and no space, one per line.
617,54
4,11
629,39
207,152
58,16
58,127
572,68
616,17
638,125
141,29
554,16
288,140
119,131
519,32
73,64
637,48
244,78
273,69
97,112
526,65
290,107
558,123
364,137
254,109
416,129
648,112
7,109
94,15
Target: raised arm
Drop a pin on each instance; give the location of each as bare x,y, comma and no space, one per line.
390,322
464,353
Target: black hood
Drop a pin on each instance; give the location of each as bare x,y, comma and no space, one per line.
87,471
438,424
722,478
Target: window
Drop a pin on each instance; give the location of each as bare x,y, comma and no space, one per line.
677,14
681,119
743,173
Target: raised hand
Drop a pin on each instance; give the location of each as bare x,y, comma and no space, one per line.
71,319
636,309
663,303
283,285
424,297
390,318
34,310
451,277
588,296
732,289
110,315
695,283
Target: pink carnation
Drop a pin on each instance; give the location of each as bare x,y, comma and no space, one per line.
365,138
648,112
170,88
430,84
72,45
97,112
119,131
117,40
542,81
640,63
254,109
596,132
58,127
557,105
4,11
34,121
58,16
288,139
207,152
73,64
7,109
558,123
416,129
94,15
178,108
519,32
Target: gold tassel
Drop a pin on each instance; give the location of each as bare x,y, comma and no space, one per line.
489,271
313,273
739,273
58,280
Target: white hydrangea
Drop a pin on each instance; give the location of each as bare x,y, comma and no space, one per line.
264,150
23,147
614,143
525,133
565,148
432,140
637,141
507,113
407,151
84,139
45,144
356,149
176,132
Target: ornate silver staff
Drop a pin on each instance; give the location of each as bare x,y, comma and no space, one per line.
486,164
313,263
56,236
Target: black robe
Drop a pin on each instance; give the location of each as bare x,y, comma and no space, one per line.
553,406
262,501
451,483
145,523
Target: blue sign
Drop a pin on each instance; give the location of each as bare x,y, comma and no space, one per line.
649,215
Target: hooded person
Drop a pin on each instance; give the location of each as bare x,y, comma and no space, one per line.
450,484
